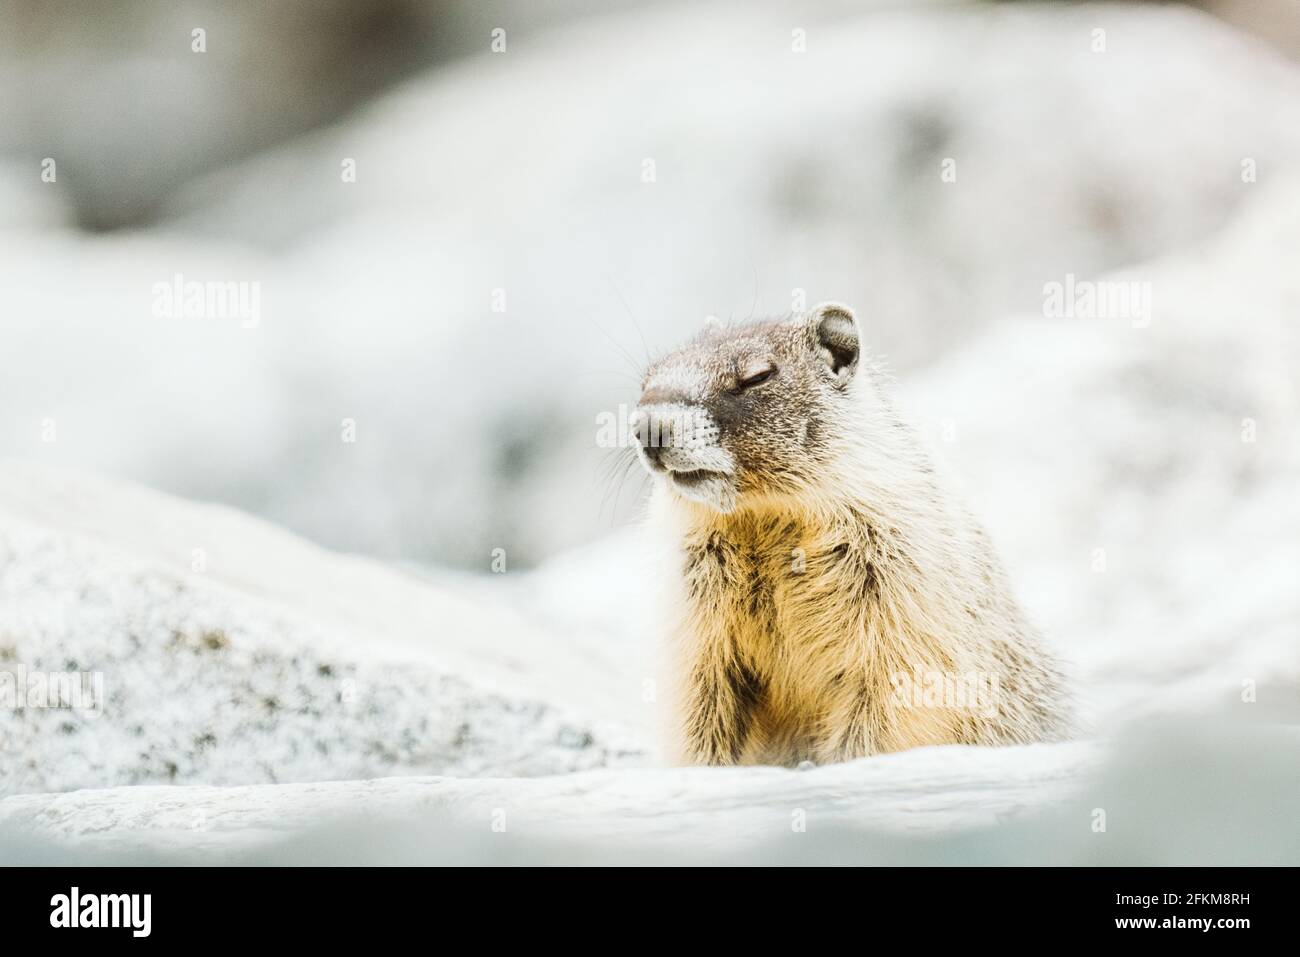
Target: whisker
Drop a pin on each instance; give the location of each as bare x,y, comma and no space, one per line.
754,305
635,325
621,482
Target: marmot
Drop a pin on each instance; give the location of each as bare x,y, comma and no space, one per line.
835,601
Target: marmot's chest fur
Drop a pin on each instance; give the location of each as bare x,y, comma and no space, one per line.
770,584
833,647
830,601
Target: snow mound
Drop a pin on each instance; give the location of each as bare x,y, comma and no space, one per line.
1040,804
257,657
933,789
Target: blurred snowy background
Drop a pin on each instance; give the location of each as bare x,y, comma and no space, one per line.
465,241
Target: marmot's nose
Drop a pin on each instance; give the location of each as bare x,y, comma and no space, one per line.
654,431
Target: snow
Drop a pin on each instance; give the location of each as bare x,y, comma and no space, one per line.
1035,804
932,790
275,662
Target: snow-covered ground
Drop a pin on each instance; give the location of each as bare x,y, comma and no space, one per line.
275,676
276,661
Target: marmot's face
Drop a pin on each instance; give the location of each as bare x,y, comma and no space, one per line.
739,412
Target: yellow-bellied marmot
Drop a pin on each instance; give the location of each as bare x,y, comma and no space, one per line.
832,598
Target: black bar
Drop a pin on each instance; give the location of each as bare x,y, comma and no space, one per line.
334,905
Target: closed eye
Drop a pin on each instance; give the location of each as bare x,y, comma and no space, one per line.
758,378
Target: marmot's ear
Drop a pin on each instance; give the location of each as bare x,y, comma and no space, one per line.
833,334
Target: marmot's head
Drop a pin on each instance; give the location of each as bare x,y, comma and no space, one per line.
744,410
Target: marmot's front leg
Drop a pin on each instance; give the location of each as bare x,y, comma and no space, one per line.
857,725
720,698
